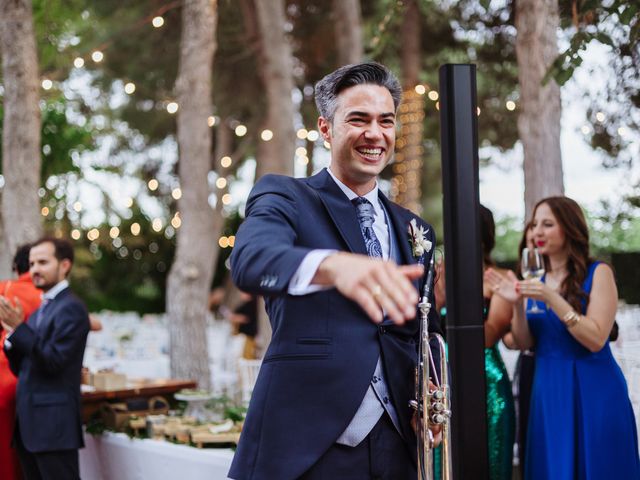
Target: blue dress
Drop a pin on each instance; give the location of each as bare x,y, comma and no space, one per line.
581,424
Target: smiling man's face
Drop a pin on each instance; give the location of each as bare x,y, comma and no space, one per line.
362,135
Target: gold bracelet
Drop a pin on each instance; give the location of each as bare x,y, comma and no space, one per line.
571,318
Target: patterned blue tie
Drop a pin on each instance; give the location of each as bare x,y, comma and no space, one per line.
365,213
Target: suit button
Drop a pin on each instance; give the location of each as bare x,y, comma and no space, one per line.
385,400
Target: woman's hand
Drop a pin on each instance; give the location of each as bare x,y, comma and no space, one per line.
536,290
504,285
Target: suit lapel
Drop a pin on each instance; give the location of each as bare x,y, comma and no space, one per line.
399,227
45,319
340,210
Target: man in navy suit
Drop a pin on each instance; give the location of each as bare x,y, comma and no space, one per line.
46,355
340,267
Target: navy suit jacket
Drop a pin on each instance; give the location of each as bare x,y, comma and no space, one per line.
324,348
47,359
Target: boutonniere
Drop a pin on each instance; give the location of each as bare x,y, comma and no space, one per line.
419,244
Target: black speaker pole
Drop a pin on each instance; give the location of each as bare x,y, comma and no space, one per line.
463,262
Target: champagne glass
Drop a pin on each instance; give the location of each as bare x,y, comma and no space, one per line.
532,268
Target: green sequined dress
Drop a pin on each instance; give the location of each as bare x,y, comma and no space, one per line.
500,416
500,413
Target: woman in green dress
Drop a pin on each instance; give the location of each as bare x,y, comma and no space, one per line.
497,321
500,407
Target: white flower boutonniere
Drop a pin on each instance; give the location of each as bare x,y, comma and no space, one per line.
419,244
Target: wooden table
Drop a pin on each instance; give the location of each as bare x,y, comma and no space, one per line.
136,388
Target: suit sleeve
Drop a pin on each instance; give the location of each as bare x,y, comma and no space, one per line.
265,256
54,352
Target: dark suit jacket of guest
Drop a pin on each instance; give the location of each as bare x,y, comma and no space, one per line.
324,348
47,359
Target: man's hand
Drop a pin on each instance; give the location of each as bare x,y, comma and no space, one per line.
436,430
10,316
376,285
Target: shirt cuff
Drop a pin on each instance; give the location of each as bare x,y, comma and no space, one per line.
300,283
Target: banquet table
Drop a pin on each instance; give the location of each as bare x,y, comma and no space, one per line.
140,387
115,456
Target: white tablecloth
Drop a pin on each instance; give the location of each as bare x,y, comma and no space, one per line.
114,456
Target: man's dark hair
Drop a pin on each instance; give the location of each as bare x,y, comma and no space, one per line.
21,259
328,89
63,249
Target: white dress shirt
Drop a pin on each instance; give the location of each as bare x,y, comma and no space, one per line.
300,283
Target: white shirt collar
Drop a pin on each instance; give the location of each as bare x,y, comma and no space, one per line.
55,290
372,196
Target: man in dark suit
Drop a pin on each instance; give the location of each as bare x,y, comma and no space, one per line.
46,355
340,267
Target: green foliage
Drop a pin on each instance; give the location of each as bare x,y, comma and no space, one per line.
124,275
60,139
615,24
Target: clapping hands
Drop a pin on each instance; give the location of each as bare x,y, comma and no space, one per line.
507,286
10,316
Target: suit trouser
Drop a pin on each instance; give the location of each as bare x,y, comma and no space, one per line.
55,465
382,455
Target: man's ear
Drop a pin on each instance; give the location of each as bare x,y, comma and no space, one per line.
324,126
65,264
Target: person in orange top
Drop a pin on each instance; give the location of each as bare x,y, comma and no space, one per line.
17,291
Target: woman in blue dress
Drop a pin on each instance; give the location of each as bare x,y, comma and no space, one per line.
581,423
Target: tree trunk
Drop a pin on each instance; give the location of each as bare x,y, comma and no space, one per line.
348,24
276,67
537,24
21,158
192,270
406,183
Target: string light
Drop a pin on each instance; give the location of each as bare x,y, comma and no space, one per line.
313,135
226,199
600,116
240,130
420,89
75,234
175,221
407,169
232,240
78,62
327,145
223,242
221,182
47,84
433,95
211,121
77,206
302,133
129,88
585,129
97,56
266,135
128,202
157,22
135,229
511,105
114,232
153,184
93,234
622,131
172,107
225,162
478,110
176,193
301,151
44,211
156,224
